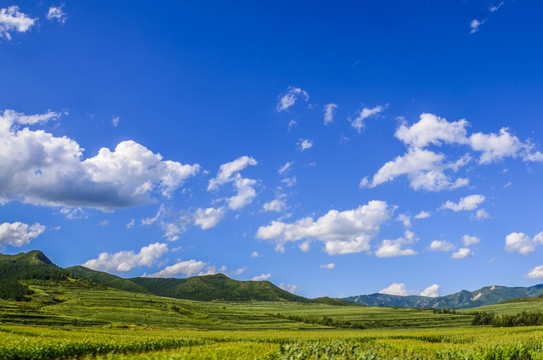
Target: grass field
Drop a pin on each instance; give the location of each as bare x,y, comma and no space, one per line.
65,320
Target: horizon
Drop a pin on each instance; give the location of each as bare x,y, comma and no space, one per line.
330,149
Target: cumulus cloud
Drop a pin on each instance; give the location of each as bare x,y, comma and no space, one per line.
422,215
283,169
124,261
187,268
261,277
470,240
431,291
328,266
467,203
255,254
304,144
41,169
56,14
432,171
442,245
393,248
11,19
535,273
344,232
522,243
329,110
358,122
208,218
424,169
115,121
288,99
229,172
19,234
462,253
395,289
172,231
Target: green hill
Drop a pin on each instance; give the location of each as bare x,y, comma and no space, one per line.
216,287
109,280
461,300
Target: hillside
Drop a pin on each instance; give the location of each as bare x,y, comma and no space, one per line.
109,280
216,287
461,300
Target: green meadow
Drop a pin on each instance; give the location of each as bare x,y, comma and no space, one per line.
73,319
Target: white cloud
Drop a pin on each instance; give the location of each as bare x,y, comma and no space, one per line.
56,13
289,287
11,19
208,218
228,171
131,224
261,277
442,245
329,110
395,289
276,205
305,144
172,231
342,232
431,171
467,203
424,169
535,273
19,234
115,121
422,215
393,248
358,122
482,214
462,253
150,221
124,261
186,268
522,243
290,181
328,266
41,169
103,223
288,99
283,169
405,219
470,240
431,291
255,254
494,8
432,129
305,246
474,25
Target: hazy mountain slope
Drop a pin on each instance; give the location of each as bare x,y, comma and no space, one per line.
461,300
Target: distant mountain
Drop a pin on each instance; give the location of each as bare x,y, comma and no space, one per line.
34,257
461,300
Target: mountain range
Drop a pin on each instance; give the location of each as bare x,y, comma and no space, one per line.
218,287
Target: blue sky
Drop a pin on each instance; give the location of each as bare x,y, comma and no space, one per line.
332,148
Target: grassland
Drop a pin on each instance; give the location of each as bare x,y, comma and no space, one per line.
73,319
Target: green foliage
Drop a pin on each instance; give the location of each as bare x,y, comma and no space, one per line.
106,279
504,320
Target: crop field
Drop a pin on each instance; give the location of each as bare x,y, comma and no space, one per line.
64,321
19,342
